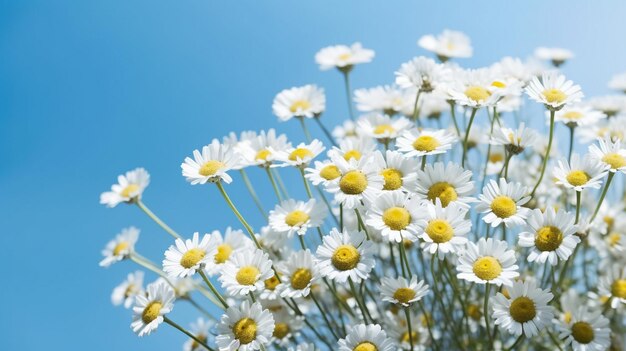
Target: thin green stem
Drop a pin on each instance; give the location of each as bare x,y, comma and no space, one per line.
407,313
306,184
239,216
604,191
213,290
326,132
453,117
404,259
346,81
467,133
486,315
358,300
184,331
323,313
307,135
250,188
158,221
270,175
547,156
572,128
416,110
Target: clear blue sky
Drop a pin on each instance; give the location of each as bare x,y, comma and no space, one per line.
90,89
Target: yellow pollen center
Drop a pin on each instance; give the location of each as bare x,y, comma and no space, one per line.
439,230
442,190
406,337
614,239
353,183
365,346
345,257
425,143
396,218
503,206
383,128
271,283
618,288
393,179
299,105
245,330
195,345
582,332
344,56
120,247
477,93
577,178
404,295
614,160
522,309
262,155
567,317
129,189
548,238
247,275
281,330
487,268
355,154
301,278
496,157
192,257
498,84
223,253
151,312
296,218
210,168
554,95
474,311
572,115
300,153
330,172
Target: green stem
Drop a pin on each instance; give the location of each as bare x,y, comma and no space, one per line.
255,197
453,116
306,184
346,81
404,259
606,188
239,216
323,313
547,156
158,221
274,186
416,109
307,135
212,288
170,322
467,133
358,300
326,132
486,314
571,142
408,323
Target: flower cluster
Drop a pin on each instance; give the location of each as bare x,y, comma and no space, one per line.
434,217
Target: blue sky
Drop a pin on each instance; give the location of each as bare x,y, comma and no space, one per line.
90,89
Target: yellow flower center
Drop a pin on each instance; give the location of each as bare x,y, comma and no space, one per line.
396,218
522,309
281,330
442,190
383,128
404,295
406,337
344,56
554,95
365,346
503,206
425,143
300,153
245,330
353,183
618,288
439,230
567,317
346,257
393,179
192,257
262,155
477,93
474,312
210,168
301,278
582,332
498,84
496,157
271,283
129,189
487,268
296,218
614,160
299,105
548,238
577,178
120,247
223,253
573,115
247,275
195,345
330,172
614,239
151,312
355,154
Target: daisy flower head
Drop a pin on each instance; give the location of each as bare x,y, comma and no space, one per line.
125,293
394,215
343,57
610,105
475,88
149,309
234,240
502,202
488,261
299,156
386,99
525,310
557,56
286,327
291,216
553,90
398,171
401,291
382,127
550,235
211,165
443,230
449,183
261,149
302,102
246,327
345,255
580,173
201,330
129,188
246,271
416,143
186,257
360,180
514,140
121,247
323,173
609,153
618,82
366,337
354,147
422,73
586,330
448,44
613,284
347,130
299,272
577,115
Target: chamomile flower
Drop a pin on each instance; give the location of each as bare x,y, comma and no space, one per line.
554,91
245,271
343,57
244,328
299,272
200,329
610,153
323,172
422,73
395,216
366,337
302,102
234,240
449,183
610,105
125,293
299,156
550,234
514,140
618,82
347,130
502,202
614,284
525,310
580,174
587,330
359,180
261,149
345,255
129,188
577,115
448,44
120,247
443,230
475,89
397,170
382,127
488,261
291,216
354,148
415,142
211,165
402,292
186,257
557,56
149,310
286,327
386,99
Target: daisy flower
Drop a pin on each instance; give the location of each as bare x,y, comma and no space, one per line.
121,247
514,140
397,170
343,57
613,284
554,91
244,328
386,99
610,105
365,337
346,130
307,101
395,216
525,309
402,292
232,241
211,165
291,216
587,330
550,235
345,255
382,127
422,73
415,142
299,156
149,309
609,153
577,115
488,261
618,82
186,257
443,229
503,202
447,45
557,56
354,148
475,89
129,188
449,183
580,174
359,180
286,327
200,329
246,271
299,272
323,173
261,150
125,293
